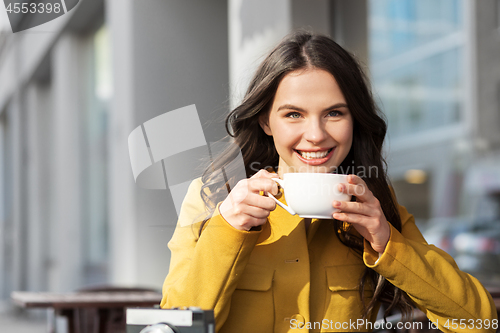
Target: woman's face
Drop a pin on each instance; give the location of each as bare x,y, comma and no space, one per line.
310,122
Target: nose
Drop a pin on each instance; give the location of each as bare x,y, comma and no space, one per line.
315,131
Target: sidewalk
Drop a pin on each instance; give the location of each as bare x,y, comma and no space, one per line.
18,321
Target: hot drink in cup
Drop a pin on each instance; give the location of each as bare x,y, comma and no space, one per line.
311,195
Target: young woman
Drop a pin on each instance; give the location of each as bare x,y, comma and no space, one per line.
308,109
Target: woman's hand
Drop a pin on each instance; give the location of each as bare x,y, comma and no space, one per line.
365,214
244,207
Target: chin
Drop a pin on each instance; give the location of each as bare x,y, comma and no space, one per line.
313,168
324,169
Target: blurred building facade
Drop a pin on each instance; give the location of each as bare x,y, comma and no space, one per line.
73,89
436,74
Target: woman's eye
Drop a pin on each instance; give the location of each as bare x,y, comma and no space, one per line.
293,115
334,113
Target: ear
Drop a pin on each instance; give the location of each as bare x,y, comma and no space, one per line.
264,123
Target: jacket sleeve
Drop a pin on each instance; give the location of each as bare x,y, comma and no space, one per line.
204,270
432,279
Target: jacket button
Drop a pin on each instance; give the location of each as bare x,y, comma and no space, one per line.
299,320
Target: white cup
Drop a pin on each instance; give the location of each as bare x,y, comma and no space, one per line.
311,195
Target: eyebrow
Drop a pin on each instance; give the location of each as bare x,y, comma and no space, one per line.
296,108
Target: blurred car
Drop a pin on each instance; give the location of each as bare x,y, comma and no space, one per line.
474,244
478,250
442,231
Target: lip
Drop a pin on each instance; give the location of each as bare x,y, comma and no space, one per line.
317,161
312,150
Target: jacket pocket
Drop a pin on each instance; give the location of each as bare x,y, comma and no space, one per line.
342,299
344,278
252,303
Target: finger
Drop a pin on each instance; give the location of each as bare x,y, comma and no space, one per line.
350,217
352,189
261,202
263,184
360,191
351,207
353,179
356,180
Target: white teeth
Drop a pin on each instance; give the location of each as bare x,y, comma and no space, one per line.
309,155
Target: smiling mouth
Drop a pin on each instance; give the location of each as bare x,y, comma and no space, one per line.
310,155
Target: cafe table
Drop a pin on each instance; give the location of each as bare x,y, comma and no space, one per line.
90,311
103,310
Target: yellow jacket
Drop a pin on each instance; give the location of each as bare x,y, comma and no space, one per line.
280,278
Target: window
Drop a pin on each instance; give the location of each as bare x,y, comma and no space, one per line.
416,51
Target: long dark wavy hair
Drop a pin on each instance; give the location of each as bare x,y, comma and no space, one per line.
302,50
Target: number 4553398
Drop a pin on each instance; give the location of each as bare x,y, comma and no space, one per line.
33,8
472,324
